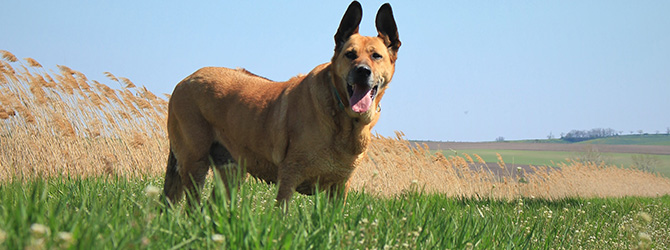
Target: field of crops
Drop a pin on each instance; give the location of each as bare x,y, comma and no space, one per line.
643,139
80,162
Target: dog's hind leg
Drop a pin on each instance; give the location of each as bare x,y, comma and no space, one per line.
193,173
186,175
173,188
230,173
190,139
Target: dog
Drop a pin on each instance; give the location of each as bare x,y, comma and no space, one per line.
312,130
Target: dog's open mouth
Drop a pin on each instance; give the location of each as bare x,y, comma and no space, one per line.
361,97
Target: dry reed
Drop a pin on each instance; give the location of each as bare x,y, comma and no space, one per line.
394,166
64,124
8,56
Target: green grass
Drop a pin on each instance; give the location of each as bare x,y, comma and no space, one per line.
552,158
648,139
114,213
540,141
661,139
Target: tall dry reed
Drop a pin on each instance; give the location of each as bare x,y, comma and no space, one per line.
54,123
62,123
395,166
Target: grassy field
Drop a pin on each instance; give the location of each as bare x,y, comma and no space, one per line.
120,213
643,139
659,139
80,163
659,163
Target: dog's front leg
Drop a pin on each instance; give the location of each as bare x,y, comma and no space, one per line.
288,179
338,192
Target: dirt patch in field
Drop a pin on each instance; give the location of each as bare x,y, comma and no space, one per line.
632,149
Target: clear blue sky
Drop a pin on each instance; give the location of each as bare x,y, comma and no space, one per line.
467,70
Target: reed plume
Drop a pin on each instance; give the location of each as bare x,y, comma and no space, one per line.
111,76
8,56
129,84
32,62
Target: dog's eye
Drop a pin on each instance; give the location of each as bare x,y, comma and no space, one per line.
376,56
351,55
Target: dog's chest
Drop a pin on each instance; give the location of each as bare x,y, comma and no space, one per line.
325,172
333,164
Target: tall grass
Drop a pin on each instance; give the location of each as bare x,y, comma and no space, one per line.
62,123
394,165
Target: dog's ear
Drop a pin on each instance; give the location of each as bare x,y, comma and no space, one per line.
388,31
349,24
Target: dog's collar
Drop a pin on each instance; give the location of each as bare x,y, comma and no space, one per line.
337,96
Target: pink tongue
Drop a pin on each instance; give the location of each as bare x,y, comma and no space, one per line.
360,100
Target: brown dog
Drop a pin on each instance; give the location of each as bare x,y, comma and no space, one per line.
311,129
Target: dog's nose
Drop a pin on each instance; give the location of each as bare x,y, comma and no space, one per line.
363,71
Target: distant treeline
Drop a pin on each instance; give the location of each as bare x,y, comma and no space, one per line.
583,135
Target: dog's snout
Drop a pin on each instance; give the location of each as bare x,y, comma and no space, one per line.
363,71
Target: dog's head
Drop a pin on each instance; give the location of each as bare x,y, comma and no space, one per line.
363,65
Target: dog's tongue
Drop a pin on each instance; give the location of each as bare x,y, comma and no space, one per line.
360,100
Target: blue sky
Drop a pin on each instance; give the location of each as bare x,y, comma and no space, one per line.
467,70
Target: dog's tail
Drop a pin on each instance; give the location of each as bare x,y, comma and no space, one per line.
173,188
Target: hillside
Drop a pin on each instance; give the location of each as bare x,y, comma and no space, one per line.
657,139
643,139
569,147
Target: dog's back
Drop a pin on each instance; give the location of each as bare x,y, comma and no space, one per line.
239,104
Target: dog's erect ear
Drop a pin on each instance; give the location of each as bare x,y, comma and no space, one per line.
388,31
349,24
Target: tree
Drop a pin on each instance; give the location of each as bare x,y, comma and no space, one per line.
550,136
500,139
583,135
